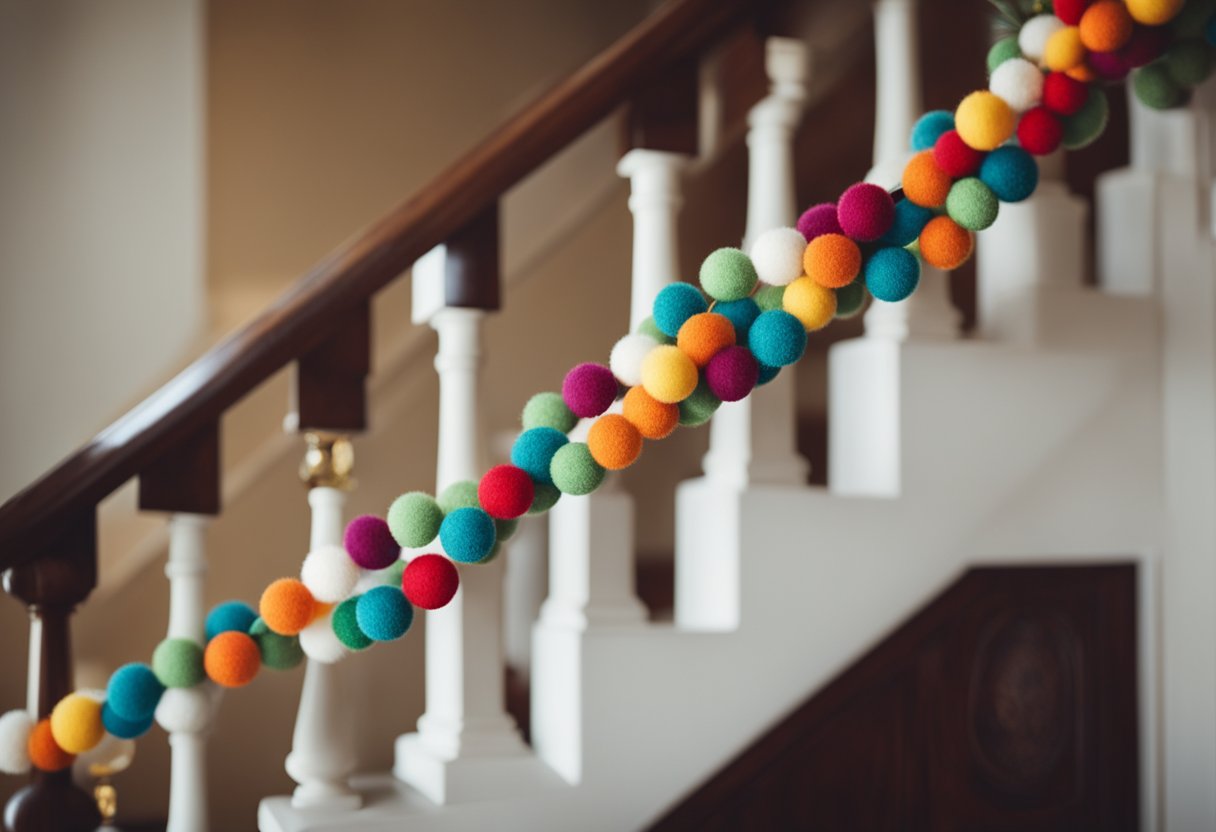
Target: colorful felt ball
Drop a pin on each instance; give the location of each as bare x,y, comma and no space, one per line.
1034,34
430,581
777,338
1156,89
614,442
944,244
984,120
1082,72
704,335
742,312
954,156
811,302
1064,50
320,642
1084,128
460,494
733,373
699,407
1189,62
668,374
777,255
924,183
329,573
230,615
1194,16
1005,49
534,449
384,614
287,606
972,204
505,492
1063,95
232,659
649,327
1105,26
184,710
1153,12
1109,66
1040,131
676,303
1018,82
134,690
929,127
546,410
910,218
125,729
892,274
414,518
15,729
1069,11
546,497
575,471
865,211
178,663
277,652
44,753
728,274
653,419
768,297
589,389
504,529
627,356
849,301
345,621
1147,44
76,723
1011,173
818,219
468,534
369,542
832,260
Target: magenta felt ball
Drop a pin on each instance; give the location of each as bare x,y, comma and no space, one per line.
430,581
1110,66
589,390
732,373
369,542
505,492
819,220
865,212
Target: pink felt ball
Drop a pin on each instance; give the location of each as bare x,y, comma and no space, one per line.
430,581
506,492
865,212
1110,66
1146,45
819,220
589,390
732,373
369,542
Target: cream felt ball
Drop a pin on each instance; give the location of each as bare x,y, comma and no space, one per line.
777,255
15,728
320,643
184,710
1034,34
627,356
329,573
1018,82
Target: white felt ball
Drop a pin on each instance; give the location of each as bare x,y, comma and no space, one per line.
626,358
320,643
777,255
15,728
1032,39
184,710
111,755
1018,82
329,574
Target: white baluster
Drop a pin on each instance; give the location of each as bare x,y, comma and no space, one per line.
655,199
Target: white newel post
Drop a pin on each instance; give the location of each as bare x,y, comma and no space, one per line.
323,755
754,441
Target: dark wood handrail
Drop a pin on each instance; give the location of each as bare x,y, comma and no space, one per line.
300,319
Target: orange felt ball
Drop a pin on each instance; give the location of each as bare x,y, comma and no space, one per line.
705,335
1082,73
287,606
614,442
944,244
1106,26
45,753
832,260
232,659
653,419
925,183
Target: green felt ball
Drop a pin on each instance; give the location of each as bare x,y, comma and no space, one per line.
728,274
544,497
850,299
649,327
698,407
574,470
278,652
462,494
1003,50
548,410
1156,88
972,204
1193,19
1189,62
1083,127
769,298
346,625
392,575
503,529
414,519
178,663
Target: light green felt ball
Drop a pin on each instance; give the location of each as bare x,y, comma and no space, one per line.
769,298
278,652
649,327
850,299
392,575
574,470
1156,88
346,626
698,407
1189,63
972,204
461,494
548,410
1086,125
178,663
414,519
1003,50
544,497
728,274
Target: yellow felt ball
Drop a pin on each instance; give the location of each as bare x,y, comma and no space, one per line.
810,303
984,121
668,375
1153,12
1064,50
76,723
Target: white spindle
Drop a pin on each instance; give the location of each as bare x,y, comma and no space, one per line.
655,199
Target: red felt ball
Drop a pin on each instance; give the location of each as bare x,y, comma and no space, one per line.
506,492
955,156
430,581
1070,11
1040,131
1064,95
1147,44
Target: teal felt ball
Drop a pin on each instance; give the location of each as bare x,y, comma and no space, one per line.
768,298
124,729
134,692
544,497
278,652
728,274
345,622
178,663
699,406
1003,50
850,299
460,494
929,128
910,220
650,328
467,534
1209,31
676,303
1189,63
892,274
414,519
777,338
229,616
972,204
1085,126
1011,173
548,410
383,613
574,470
533,451
741,313
767,374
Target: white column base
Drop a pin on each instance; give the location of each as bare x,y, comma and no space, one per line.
493,765
322,755
754,441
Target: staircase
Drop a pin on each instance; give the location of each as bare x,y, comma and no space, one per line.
1066,452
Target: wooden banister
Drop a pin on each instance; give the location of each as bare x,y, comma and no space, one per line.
305,316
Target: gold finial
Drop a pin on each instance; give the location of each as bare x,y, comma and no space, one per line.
328,462
107,800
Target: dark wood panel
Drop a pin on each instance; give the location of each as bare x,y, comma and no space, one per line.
663,116
330,380
187,478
